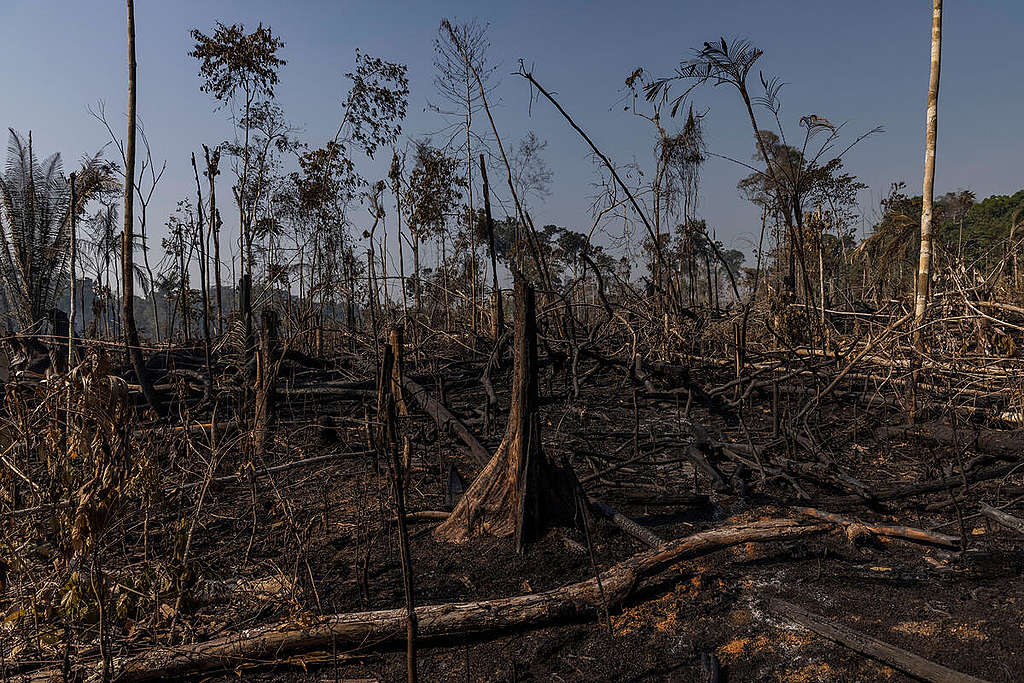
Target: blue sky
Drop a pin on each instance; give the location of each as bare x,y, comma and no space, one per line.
865,63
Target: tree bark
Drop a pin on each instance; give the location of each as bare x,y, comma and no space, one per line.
266,378
397,370
203,273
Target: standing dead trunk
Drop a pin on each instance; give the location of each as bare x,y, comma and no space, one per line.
183,285
498,320
931,125
398,238
212,161
397,370
131,333
71,292
387,443
520,491
416,273
204,272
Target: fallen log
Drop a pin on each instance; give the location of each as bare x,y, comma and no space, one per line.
1000,517
892,530
1005,444
641,534
442,416
821,473
365,630
698,455
907,662
427,516
973,477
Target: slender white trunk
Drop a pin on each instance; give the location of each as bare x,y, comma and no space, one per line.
931,124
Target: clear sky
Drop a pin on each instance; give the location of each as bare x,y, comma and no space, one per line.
863,62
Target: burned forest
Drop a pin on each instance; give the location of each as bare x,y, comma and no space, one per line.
341,396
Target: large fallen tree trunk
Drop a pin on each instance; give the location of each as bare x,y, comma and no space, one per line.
365,630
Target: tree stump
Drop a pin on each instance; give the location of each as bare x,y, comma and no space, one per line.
520,491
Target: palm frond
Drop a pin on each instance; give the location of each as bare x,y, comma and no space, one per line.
35,211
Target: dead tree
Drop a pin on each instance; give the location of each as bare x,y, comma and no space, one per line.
520,491
212,163
387,444
131,332
498,317
931,124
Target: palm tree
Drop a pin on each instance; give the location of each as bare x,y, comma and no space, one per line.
35,212
104,241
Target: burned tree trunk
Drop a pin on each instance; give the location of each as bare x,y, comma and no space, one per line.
212,162
387,444
131,332
520,491
398,370
266,376
931,124
498,317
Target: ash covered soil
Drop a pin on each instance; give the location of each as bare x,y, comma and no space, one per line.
958,607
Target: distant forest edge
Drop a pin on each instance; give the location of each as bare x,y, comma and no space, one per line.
977,234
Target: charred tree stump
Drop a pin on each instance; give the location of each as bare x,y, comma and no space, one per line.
520,491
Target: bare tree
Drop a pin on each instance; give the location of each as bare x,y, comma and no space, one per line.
145,186
460,56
